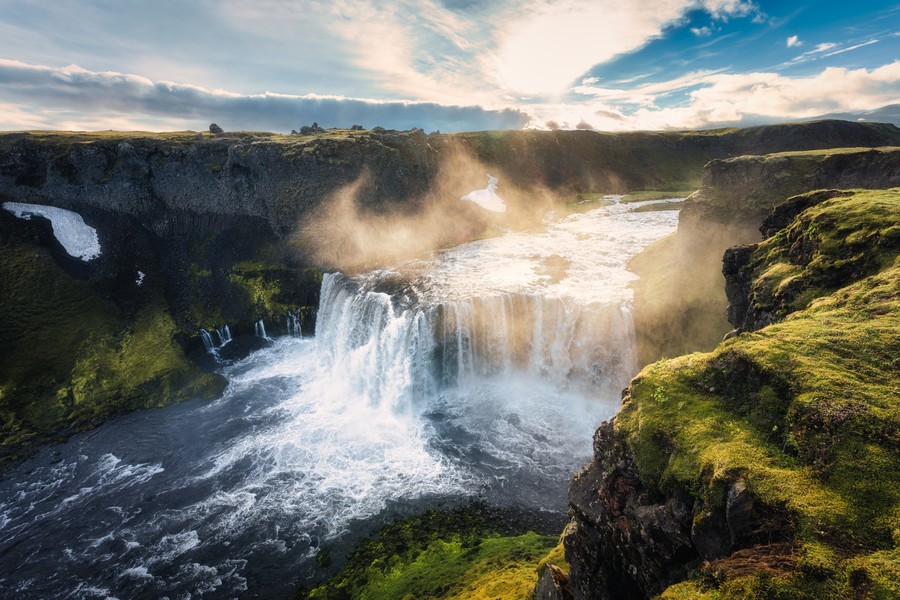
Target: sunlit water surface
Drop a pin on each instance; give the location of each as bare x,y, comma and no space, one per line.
480,373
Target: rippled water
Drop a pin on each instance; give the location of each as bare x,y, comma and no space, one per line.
479,373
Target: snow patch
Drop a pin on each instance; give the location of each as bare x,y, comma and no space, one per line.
487,198
77,237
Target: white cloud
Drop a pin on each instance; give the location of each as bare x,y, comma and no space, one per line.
701,31
76,98
794,41
534,47
823,47
725,99
842,50
723,9
647,94
574,36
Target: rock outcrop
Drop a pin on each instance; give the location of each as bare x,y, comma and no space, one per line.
680,301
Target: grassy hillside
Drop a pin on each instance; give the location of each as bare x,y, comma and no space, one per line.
806,413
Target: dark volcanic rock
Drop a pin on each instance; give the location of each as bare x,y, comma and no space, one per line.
628,540
782,215
625,540
737,282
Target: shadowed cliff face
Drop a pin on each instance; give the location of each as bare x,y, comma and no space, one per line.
768,467
282,178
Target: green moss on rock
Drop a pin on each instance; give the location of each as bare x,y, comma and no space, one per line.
806,412
474,553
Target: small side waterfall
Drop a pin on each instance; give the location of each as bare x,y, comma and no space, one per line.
294,321
207,341
260,328
397,354
224,335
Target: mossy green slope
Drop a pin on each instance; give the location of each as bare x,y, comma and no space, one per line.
464,554
821,251
806,412
69,358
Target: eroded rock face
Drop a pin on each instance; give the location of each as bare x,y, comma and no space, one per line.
805,255
628,540
680,300
624,540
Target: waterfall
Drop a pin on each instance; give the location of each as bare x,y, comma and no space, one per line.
397,353
207,341
224,335
260,328
294,321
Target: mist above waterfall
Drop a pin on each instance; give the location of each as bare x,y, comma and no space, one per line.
351,234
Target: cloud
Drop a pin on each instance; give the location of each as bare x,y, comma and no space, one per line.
448,52
648,93
701,31
56,96
575,35
717,98
794,41
815,54
842,50
736,98
723,9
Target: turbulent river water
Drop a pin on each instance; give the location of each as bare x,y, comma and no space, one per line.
479,373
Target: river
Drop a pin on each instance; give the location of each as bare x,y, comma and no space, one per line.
478,373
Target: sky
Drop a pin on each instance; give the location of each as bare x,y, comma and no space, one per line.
448,65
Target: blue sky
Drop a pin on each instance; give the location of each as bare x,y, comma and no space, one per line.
442,64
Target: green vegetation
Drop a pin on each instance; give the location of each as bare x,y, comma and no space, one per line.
471,553
680,301
805,412
69,358
823,250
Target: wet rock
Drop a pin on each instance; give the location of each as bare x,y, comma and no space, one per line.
735,267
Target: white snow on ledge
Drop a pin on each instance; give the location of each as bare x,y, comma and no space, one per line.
77,237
